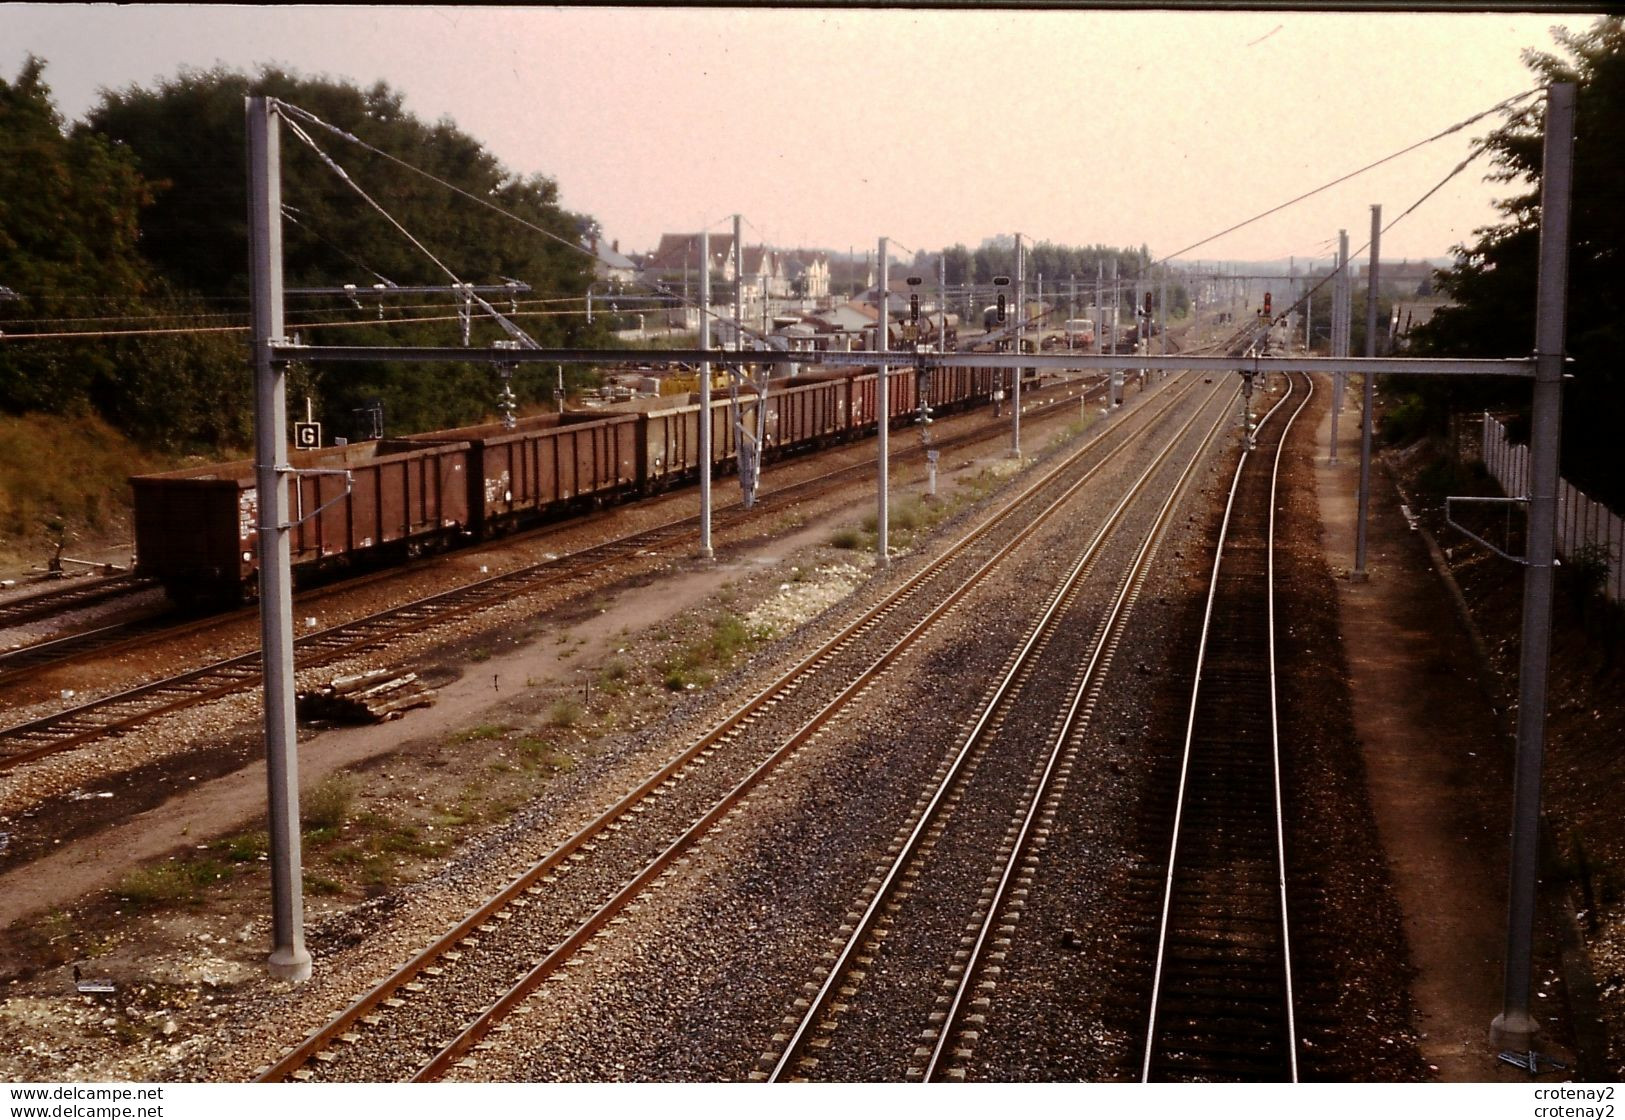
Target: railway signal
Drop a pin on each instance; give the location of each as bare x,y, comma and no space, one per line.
1266,305
1001,282
914,300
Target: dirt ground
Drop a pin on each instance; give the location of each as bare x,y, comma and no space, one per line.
1434,763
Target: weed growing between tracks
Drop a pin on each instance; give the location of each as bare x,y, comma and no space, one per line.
699,663
911,517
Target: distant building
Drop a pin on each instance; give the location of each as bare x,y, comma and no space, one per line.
1403,274
677,259
807,274
1410,314
609,264
764,273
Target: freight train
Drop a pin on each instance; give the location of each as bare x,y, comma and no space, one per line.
196,529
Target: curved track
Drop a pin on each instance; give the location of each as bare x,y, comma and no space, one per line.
907,892
1221,1003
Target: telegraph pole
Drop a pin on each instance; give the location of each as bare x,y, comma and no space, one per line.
739,286
1100,306
1368,391
1291,293
705,397
289,960
1115,395
1162,305
1071,308
1339,341
1021,323
942,304
1038,342
1515,1027
883,411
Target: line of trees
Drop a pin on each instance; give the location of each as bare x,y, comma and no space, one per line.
136,218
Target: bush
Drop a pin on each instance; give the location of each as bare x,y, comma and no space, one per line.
170,884
1405,420
328,805
1585,572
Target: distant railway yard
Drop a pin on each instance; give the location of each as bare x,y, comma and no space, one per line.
780,816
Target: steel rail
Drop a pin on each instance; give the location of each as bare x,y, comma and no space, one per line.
443,1061
765,698
56,600
30,660
1089,684
82,724
1203,648
976,737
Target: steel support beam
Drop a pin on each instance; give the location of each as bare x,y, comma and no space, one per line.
883,417
516,288
1173,363
1516,1027
289,960
1368,392
1021,344
705,396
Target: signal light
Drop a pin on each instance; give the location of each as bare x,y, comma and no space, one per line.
1266,303
1001,307
1148,305
913,308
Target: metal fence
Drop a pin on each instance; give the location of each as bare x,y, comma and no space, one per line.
1581,522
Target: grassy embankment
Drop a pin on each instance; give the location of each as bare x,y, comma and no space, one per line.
64,479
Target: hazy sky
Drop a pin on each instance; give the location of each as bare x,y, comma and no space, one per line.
832,128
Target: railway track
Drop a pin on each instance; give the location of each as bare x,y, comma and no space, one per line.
69,596
449,999
25,661
1221,999
30,660
997,797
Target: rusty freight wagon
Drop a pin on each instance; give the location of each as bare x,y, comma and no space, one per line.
798,417
545,466
666,434
196,529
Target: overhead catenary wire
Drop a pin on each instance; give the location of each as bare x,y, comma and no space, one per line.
291,214
289,112
1478,149
237,318
1499,106
333,165
21,336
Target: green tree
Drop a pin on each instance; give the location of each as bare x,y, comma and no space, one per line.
69,207
187,137
1492,283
